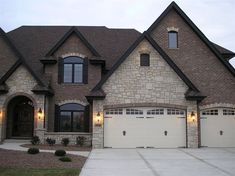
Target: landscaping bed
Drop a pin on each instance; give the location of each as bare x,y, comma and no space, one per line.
58,147
21,163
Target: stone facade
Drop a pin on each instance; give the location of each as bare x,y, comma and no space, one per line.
196,60
158,83
20,83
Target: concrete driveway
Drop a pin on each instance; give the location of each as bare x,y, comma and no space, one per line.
160,162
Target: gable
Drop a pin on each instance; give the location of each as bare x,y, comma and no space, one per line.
21,81
73,31
158,82
196,58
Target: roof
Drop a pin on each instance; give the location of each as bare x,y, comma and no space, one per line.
146,36
35,42
21,60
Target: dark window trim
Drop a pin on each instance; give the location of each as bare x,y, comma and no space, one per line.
145,59
177,41
73,68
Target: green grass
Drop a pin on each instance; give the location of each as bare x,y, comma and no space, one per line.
38,172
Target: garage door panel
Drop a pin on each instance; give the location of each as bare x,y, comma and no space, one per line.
144,130
217,130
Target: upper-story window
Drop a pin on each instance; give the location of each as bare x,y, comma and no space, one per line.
73,70
144,59
172,39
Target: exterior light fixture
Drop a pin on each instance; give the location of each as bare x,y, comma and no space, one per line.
39,113
98,119
193,116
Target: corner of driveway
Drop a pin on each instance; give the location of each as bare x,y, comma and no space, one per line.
160,162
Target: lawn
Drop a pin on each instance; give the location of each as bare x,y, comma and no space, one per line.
18,163
39,172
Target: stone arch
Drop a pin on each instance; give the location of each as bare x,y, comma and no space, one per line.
72,101
73,54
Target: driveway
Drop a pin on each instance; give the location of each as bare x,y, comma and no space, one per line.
160,162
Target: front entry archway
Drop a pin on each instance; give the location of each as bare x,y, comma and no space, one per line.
20,118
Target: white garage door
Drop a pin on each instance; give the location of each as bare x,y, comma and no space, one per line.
144,127
218,127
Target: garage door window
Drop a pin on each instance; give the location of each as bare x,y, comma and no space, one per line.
134,111
114,111
228,112
175,112
155,111
210,112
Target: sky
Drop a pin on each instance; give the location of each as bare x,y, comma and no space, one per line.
215,18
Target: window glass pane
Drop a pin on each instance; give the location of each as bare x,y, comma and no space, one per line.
144,60
72,107
78,73
65,121
78,122
73,59
67,73
172,39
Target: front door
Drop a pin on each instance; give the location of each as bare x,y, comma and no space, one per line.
23,120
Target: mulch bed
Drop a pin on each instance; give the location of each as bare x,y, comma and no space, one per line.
19,159
57,146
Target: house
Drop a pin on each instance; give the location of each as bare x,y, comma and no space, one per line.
165,88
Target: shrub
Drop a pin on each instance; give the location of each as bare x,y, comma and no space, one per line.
60,153
81,140
33,151
50,141
65,141
65,159
35,140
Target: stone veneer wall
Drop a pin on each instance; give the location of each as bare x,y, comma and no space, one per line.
21,82
131,83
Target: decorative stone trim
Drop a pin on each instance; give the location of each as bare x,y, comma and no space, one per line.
144,51
128,105
217,105
73,101
172,29
73,54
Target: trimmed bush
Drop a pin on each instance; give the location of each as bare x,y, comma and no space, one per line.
60,153
65,159
50,141
65,141
35,140
33,151
81,140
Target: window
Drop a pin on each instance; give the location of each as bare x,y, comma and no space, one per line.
73,69
210,112
228,112
71,118
175,112
134,111
173,39
144,60
156,112
113,111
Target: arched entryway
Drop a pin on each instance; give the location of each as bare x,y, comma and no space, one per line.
20,118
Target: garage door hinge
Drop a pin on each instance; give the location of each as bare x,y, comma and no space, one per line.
203,117
181,117
108,147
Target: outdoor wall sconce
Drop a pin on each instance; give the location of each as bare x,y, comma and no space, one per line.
98,119
39,113
193,116
0,114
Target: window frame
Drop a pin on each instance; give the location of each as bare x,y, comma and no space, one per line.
72,117
177,40
143,62
73,69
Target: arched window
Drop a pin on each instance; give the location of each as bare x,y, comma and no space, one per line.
72,118
173,39
73,69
